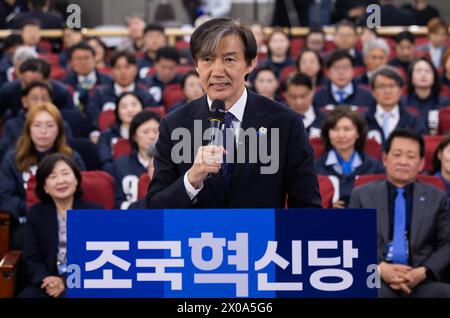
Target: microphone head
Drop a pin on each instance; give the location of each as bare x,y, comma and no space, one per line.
217,110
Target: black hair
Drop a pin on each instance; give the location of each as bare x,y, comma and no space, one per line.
45,169
137,121
169,53
130,57
297,79
408,134
154,27
389,72
36,65
35,84
435,88
404,35
339,55
186,76
80,46
12,40
30,21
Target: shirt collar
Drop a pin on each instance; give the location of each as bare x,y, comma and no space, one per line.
142,161
309,116
238,108
91,76
347,89
380,111
332,160
118,90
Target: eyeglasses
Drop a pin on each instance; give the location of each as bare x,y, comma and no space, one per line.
390,87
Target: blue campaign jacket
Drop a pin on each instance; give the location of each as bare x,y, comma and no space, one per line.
126,172
11,93
156,87
12,181
83,95
369,166
425,106
105,145
104,98
360,97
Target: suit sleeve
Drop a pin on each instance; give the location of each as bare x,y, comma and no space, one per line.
355,200
300,175
35,267
105,153
92,109
439,260
10,199
166,189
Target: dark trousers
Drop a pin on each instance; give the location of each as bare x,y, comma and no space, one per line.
36,292
426,289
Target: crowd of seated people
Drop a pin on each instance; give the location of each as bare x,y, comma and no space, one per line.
350,93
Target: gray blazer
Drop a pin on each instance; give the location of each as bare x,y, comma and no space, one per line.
430,224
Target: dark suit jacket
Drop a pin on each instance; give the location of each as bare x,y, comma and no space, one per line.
249,188
430,227
41,239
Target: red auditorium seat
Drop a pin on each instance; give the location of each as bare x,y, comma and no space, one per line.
172,94
286,71
372,148
444,120
121,148
326,191
144,181
106,119
183,69
433,180
359,70
431,143
160,110
98,187
297,45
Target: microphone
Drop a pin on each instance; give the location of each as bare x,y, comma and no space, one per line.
216,120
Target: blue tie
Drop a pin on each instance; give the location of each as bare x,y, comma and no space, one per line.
341,95
399,245
227,167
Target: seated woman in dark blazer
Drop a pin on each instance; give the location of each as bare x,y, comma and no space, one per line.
344,133
58,186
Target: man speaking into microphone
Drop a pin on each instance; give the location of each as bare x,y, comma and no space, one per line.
233,172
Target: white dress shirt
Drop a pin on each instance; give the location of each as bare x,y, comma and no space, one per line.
393,119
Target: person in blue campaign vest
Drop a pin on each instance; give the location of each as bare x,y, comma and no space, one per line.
128,105
43,134
389,113
310,63
344,134
127,169
33,95
10,44
154,39
34,69
341,89
376,54
345,38
298,92
124,70
58,186
413,222
203,176
83,77
423,93
441,163
166,63
405,51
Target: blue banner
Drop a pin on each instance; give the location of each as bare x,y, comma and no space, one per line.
263,253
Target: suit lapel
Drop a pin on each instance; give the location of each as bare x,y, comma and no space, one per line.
381,203
418,211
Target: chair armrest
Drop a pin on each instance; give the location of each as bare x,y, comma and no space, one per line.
8,269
